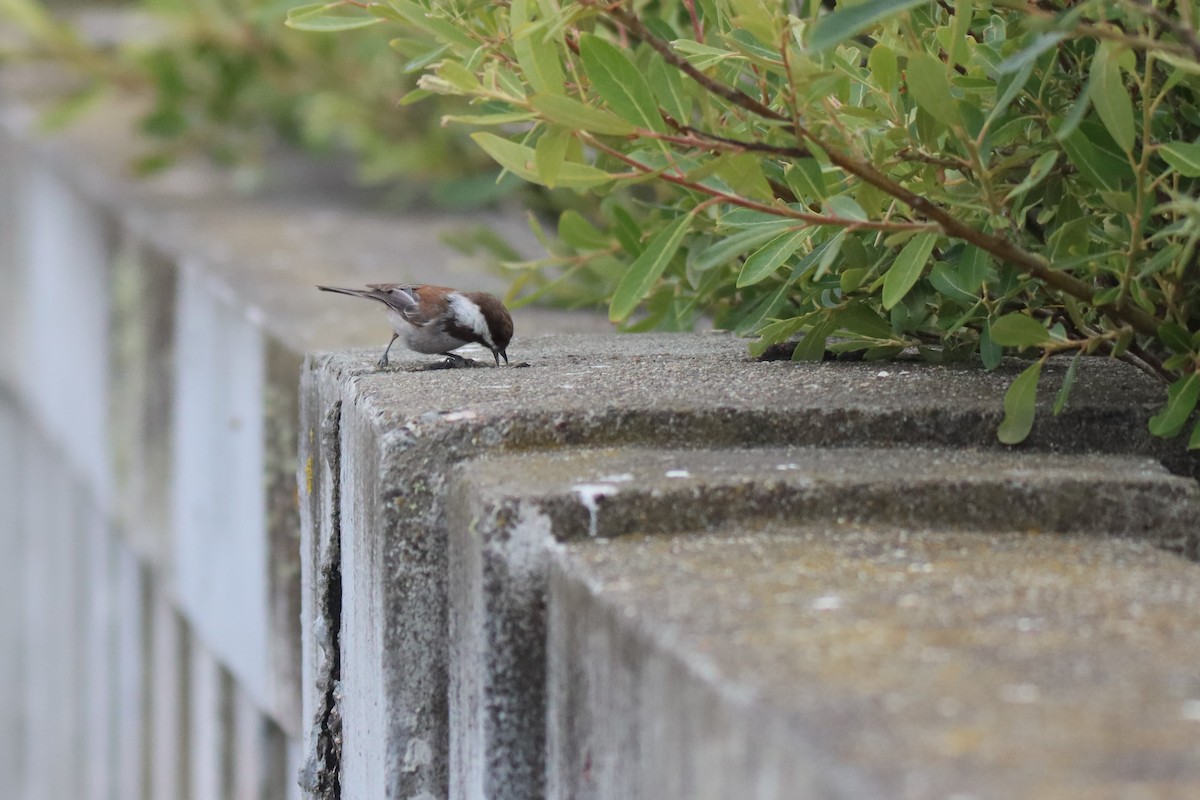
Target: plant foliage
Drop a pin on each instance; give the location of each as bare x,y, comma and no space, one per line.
960,178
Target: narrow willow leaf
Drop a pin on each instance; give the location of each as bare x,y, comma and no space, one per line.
1025,58
550,154
1037,173
848,21
701,56
579,233
1018,330
537,59
521,161
812,346
317,17
571,113
667,84
1111,99
1064,391
1020,406
1183,156
805,178
642,274
1181,401
1194,439
771,256
621,85
990,353
930,88
862,320
885,68
907,268
1098,166
725,250
1175,336
419,17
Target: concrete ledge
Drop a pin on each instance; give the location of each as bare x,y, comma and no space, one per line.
402,431
507,513
838,661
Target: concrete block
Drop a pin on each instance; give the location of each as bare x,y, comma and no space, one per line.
62,373
94,672
402,431
260,764
318,482
170,691
140,403
51,586
14,444
219,522
851,661
210,733
132,681
506,513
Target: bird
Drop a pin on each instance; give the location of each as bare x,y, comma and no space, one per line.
438,319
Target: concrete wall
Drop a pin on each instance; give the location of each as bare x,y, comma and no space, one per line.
245,563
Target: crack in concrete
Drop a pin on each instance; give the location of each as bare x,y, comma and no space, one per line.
320,777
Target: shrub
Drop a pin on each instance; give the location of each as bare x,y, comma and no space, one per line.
962,178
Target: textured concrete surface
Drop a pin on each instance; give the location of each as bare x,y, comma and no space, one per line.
401,431
506,513
842,661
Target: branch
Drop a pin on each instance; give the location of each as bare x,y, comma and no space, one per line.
766,208
1035,265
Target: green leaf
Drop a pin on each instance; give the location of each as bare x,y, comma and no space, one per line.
1064,391
812,346
1111,99
1037,173
862,320
1102,168
1174,336
725,250
537,59
1183,156
702,56
1181,401
805,178
619,83
772,255
1194,439
1020,405
646,270
884,66
848,21
521,161
990,353
931,89
577,116
1018,330
419,17
907,268
317,17
579,233
667,85
551,153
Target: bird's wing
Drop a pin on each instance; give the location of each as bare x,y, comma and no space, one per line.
401,298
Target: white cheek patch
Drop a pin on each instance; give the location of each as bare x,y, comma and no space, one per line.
470,315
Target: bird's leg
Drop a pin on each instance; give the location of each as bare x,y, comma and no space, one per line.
383,359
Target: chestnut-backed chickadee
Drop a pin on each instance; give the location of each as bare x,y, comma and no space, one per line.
436,320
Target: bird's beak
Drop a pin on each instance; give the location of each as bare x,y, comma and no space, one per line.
497,354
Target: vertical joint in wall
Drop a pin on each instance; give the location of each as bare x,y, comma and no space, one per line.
320,777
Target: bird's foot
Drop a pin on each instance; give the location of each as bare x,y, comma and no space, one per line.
382,363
